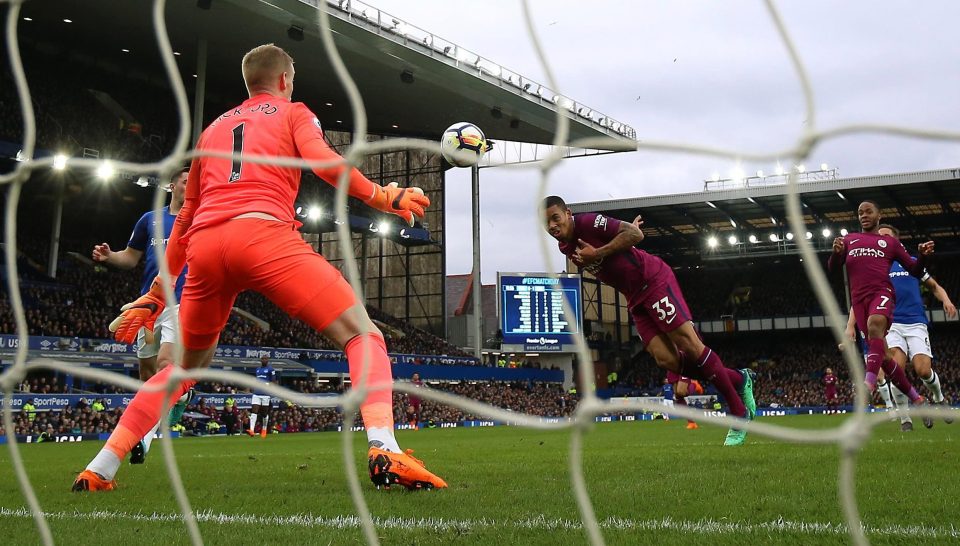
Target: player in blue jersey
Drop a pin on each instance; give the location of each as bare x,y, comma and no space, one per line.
261,399
908,339
675,390
155,349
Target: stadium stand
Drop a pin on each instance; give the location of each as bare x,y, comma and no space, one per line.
543,399
83,300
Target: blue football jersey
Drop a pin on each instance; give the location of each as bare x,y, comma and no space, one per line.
668,391
909,308
142,239
266,374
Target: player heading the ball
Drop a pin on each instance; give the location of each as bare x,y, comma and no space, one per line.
605,248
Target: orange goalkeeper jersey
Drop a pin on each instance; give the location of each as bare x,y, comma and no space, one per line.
263,125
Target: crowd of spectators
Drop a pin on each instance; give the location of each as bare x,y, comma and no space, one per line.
789,372
43,383
83,300
541,399
87,417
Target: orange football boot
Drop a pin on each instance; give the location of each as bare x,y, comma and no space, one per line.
251,433
263,432
692,426
90,481
388,468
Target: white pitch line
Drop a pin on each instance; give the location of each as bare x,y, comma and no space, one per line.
541,523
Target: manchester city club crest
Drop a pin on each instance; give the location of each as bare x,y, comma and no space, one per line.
882,243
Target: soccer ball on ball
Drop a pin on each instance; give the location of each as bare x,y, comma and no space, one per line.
463,144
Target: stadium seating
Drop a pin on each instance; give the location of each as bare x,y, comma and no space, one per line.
83,300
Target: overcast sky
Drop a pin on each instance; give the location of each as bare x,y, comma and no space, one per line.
712,73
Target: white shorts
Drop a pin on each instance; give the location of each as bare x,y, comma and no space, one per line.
260,400
668,403
165,330
912,339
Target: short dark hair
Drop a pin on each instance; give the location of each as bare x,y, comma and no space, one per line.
554,201
872,202
896,232
176,174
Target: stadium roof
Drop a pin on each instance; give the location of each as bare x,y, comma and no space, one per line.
412,82
921,204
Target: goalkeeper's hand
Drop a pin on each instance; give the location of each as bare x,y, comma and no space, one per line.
407,203
141,313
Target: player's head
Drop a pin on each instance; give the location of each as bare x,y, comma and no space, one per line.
264,360
268,69
829,371
869,214
178,185
557,218
887,229
416,376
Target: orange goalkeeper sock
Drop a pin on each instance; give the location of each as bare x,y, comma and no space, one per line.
144,412
377,409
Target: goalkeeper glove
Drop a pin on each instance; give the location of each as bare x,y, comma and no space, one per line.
141,313
407,203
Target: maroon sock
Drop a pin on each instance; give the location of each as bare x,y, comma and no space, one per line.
709,367
899,379
681,401
875,358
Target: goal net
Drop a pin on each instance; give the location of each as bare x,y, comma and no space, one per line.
850,436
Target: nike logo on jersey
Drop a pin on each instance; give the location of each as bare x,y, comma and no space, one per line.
852,241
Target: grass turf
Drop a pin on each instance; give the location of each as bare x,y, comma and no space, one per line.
651,482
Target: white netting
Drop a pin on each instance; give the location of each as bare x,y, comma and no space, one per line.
850,436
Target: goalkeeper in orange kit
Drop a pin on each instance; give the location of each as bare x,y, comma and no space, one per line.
236,231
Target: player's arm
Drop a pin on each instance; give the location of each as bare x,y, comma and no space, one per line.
938,292
638,221
839,255
143,312
851,330
407,203
916,267
627,235
129,257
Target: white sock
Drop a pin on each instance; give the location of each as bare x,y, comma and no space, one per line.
933,386
106,463
902,403
885,394
263,426
253,422
383,438
148,439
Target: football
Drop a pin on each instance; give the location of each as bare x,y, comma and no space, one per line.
463,144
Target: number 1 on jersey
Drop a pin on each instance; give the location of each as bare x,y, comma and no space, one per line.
237,166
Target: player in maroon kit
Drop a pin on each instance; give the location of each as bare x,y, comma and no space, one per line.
413,412
830,389
868,256
605,248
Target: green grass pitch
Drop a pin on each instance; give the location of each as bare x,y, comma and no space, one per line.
651,482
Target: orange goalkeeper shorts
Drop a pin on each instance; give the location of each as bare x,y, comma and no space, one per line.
266,256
